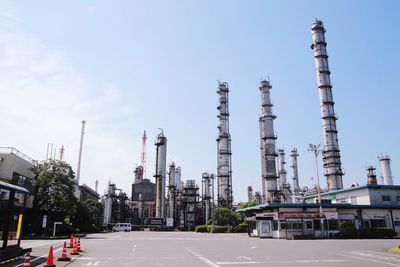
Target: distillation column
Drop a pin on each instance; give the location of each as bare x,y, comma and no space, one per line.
371,177
268,151
178,175
295,177
284,185
386,170
171,191
161,165
206,197
224,161
250,196
331,152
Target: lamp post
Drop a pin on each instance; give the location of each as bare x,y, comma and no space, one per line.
315,150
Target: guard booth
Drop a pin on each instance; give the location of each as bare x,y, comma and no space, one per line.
10,247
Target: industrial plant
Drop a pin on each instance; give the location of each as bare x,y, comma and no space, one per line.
290,211
285,208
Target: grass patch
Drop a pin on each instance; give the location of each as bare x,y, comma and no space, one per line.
395,249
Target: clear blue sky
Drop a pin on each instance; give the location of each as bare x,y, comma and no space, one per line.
127,66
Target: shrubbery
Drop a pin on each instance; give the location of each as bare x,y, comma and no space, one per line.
136,227
217,229
349,231
201,229
241,228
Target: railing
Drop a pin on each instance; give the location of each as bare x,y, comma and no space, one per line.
11,150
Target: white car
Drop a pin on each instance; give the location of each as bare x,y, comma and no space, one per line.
126,227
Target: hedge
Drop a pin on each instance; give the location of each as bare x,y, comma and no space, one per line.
201,229
217,229
241,228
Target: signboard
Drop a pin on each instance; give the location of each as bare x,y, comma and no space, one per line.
300,215
154,221
170,222
44,222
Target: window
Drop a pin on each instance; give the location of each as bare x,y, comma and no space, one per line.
380,223
275,226
396,223
326,201
333,224
308,225
398,198
385,198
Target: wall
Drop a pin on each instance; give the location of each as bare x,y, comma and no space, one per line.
12,163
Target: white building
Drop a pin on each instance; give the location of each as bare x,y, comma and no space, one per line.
367,207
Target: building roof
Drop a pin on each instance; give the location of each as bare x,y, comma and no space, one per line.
369,186
312,205
17,188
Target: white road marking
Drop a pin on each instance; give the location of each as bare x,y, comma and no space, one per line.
385,253
96,263
43,244
203,259
382,262
253,247
244,257
40,257
239,262
271,262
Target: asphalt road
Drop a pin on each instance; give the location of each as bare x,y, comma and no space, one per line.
195,249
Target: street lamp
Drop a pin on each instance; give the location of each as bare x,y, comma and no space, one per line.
315,150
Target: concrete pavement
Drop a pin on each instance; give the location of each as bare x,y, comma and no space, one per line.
195,249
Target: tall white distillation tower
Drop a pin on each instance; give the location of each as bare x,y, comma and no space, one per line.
295,177
331,152
161,169
284,186
224,160
386,170
268,151
171,192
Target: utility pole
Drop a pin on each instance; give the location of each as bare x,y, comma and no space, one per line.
315,150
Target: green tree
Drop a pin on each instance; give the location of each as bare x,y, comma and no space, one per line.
53,185
244,205
224,216
87,216
95,211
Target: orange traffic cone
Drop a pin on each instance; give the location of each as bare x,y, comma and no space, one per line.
79,244
64,256
75,251
49,262
71,242
27,260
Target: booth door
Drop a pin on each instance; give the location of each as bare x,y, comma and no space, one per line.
266,230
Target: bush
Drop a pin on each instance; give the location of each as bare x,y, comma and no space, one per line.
348,230
241,228
135,227
217,229
201,229
376,233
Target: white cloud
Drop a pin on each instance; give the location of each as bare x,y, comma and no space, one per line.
44,99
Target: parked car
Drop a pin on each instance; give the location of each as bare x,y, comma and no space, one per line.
119,227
